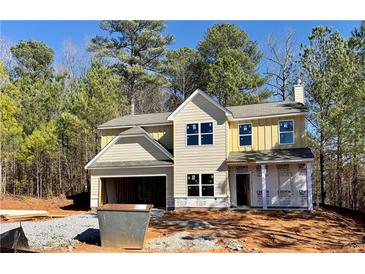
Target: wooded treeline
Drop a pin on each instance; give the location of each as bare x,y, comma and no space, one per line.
50,112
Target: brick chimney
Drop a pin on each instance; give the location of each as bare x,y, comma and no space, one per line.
299,92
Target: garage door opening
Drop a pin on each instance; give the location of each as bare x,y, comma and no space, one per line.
135,190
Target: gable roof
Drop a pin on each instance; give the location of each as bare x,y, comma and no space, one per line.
204,95
132,132
136,130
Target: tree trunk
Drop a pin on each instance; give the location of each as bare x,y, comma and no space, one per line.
133,105
59,173
321,170
1,175
355,183
37,178
339,167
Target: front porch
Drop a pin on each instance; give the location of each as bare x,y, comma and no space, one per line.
280,179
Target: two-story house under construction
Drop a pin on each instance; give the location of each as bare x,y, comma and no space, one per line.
206,155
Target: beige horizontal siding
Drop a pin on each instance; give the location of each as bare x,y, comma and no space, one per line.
98,174
94,187
265,134
132,149
200,159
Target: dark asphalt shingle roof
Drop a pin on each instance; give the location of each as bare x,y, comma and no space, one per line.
245,111
147,163
133,131
271,155
138,119
266,109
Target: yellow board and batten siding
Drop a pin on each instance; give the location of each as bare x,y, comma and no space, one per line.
162,134
265,134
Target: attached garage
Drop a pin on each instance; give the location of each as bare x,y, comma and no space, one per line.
135,190
133,169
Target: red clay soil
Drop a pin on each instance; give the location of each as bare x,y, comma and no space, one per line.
55,206
274,231
323,230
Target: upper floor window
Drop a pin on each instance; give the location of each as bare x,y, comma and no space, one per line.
200,185
245,134
192,134
199,134
206,130
286,132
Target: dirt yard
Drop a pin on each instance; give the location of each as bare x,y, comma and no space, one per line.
255,231
231,231
57,205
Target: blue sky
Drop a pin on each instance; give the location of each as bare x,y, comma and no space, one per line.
186,33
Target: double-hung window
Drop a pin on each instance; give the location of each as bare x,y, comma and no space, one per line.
193,185
207,184
199,134
200,185
286,132
192,134
245,134
206,133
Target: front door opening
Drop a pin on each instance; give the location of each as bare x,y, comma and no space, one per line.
243,189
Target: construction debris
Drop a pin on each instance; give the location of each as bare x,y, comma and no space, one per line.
195,224
23,215
14,239
20,214
237,245
184,241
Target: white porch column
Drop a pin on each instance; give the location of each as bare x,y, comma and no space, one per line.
263,184
309,186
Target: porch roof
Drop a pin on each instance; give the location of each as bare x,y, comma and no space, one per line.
131,164
271,156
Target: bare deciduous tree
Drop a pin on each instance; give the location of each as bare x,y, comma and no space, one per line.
280,64
5,55
75,60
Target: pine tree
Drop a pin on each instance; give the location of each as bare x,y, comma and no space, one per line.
334,86
135,49
180,69
229,61
10,129
33,58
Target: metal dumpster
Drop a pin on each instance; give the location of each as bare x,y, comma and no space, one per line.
123,225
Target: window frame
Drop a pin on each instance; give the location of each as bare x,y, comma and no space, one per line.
200,184
196,185
190,134
239,135
293,131
199,134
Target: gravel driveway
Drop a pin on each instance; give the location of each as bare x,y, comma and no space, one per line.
56,232
68,231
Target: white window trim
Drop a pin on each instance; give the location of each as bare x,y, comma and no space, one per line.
190,134
199,134
200,185
239,135
286,120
